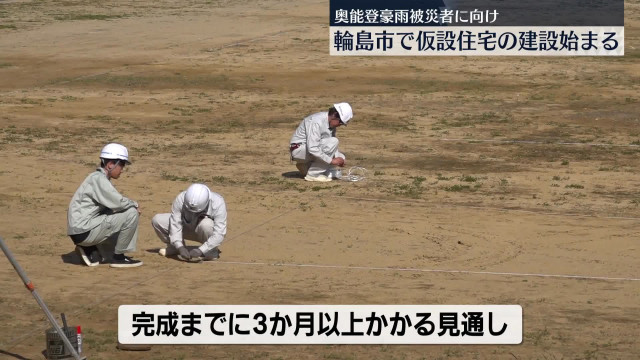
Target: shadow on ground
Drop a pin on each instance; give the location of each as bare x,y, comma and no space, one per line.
71,258
10,354
292,175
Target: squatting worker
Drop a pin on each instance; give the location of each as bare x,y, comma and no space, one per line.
197,214
314,146
99,215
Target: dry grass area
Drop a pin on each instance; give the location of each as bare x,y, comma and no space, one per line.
512,164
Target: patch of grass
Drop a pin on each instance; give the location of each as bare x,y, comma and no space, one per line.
457,188
413,190
5,65
13,138
10,27
99,341
318,188
29,101
271,180
469,178
304,206
564,162
222,180
52,146
218,180
591,354
167,81
451,352
188,111
537,337
630,152
404,124
171,177
222,127
100,117
418,180
89,164
471,120
574,186
282,183
72,17
168,123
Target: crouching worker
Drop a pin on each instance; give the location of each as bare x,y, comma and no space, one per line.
197,214
99,215
314,145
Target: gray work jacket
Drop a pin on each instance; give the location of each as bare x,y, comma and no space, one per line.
95,198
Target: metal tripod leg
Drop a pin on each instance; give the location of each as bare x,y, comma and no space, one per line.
39,300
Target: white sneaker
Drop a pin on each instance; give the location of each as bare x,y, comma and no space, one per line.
168,251
320,178
89,260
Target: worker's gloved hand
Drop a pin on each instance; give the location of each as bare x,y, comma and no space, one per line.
184,253
196,253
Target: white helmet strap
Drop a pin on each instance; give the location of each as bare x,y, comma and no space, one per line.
103,164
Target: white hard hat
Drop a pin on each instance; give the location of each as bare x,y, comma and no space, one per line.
196,200
345,112
115,151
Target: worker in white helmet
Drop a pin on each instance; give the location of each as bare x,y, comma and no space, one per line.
314,146
197,214
101,221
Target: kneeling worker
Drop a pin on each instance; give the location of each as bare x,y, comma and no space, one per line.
197,214
314,146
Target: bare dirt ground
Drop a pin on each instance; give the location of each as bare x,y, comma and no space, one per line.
211,91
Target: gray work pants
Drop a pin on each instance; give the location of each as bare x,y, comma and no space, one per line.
316,166
201,233
118,233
